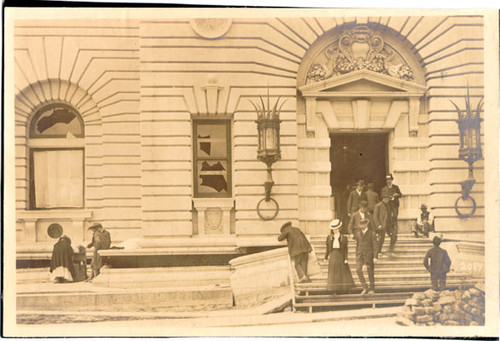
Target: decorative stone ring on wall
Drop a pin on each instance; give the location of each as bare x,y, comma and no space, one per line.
469,125
211,28
268,127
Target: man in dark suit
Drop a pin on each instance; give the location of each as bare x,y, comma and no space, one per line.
298,249
366,255
394,193
355,197
383,222
357,217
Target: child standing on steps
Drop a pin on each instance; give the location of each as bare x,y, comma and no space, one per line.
438,263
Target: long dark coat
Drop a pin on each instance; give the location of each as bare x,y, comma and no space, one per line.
354,200
356,219
62,255
393,192
366,246
382,216
297,241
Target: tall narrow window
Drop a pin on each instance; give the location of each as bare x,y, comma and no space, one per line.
56,154
212,159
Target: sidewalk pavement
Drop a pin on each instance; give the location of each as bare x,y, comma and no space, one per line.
333,323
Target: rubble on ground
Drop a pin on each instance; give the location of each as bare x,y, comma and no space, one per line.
447,308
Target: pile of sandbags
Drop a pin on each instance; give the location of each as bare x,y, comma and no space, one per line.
447,308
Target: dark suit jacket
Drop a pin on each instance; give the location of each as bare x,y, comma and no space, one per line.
372,200
394,192
355,220
366,245
382,216
297,241
342,243
437,260
354,200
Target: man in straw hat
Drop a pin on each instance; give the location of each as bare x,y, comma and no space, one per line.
298,248
366,255
101,240
424,223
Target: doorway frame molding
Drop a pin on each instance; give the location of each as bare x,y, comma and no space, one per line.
405,96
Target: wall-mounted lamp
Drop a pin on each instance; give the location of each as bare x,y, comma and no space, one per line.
268,127
469,125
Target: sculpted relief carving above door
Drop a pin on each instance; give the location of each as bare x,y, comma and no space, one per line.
359,49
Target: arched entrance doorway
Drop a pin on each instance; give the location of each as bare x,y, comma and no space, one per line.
363,98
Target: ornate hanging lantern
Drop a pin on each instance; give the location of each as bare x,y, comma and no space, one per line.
469,125
268,127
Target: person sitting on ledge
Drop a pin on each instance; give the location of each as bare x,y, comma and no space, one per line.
424,223
298,249
101,240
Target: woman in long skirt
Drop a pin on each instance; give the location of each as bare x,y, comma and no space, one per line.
339,275
61,265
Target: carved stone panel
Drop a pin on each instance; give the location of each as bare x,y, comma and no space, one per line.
359,49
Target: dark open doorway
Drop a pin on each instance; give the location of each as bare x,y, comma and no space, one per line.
356,157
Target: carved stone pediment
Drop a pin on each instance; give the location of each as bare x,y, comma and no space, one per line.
363,83
359,49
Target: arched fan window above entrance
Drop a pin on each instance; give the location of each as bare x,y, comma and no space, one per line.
56,156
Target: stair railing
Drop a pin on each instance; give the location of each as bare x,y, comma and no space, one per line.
292,281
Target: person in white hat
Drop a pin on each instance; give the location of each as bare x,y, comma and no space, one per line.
339,275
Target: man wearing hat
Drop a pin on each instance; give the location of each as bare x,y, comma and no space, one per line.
101,240
366,255
359,215
382,222
355,197
424,223
298,248
394,193
438,263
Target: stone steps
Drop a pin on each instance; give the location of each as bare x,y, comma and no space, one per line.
163,277
396,278
157,300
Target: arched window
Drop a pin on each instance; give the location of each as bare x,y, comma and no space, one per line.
56,158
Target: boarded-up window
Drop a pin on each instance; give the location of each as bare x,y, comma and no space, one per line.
212,159
58,178
56,163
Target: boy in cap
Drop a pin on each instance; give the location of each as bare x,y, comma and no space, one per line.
101,240
366,255
438,263
298,249
424,223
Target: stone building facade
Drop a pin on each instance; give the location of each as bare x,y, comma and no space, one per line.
147,125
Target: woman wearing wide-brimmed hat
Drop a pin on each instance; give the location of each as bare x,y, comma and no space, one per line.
339,274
